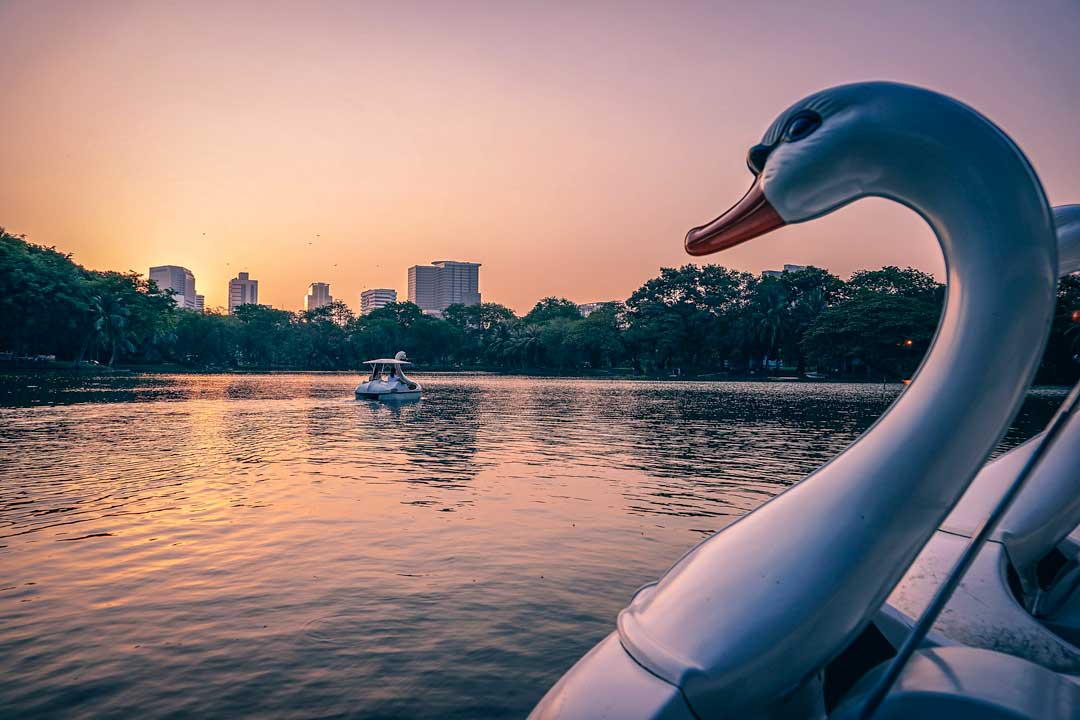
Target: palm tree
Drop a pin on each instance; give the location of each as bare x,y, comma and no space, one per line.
110,325
523,343
806,310
770,320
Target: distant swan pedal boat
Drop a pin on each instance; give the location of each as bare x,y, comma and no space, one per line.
388,381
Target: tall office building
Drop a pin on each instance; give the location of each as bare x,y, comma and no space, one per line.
242,291
459,283
444,283
376,298
200,303
423,286
318,295
178,279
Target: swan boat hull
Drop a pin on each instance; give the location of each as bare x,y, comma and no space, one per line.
388,382
389,397
365,391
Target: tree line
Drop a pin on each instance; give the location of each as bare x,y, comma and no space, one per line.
688,321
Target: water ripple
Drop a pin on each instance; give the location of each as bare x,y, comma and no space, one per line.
263,545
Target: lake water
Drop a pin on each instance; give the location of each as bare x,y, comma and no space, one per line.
266,546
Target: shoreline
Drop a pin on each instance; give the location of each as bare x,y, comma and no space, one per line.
61,367
89,370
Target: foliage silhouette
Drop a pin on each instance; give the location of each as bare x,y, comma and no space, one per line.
696,319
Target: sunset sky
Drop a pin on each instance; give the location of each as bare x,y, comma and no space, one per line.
566,146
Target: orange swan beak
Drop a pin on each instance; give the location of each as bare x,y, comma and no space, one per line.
750,217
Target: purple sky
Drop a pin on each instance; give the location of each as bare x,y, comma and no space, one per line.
568,147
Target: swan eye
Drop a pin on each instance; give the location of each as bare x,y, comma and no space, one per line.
802,125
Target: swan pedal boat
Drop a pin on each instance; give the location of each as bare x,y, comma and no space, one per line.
388,381
779,615
1022,594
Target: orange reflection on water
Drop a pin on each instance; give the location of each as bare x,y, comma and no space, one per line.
252,545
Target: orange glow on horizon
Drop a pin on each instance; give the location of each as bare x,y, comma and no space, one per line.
567,149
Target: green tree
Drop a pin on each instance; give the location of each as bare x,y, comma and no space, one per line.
319,338
558,346
519,346
264,334
1061,363
431,340
768,317
44,303
110,325
206,339
480,327
685,317
403,314
376,337
697,318
600,336
813,281
883,332
891,280
551,308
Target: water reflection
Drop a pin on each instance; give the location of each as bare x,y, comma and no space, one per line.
265,545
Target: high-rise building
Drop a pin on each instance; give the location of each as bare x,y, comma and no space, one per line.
444,283
376,298
200,303
318,295
459,283
423,286
242,291
178,279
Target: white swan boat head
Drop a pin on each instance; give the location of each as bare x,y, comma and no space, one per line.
388,381
746,622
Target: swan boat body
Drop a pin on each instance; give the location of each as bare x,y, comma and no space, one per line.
1022,594
387,381
774,616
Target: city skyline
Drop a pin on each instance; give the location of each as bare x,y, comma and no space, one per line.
452,281
459,288
572,148
243,289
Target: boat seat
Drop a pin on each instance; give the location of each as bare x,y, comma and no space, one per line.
983,611
962,683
